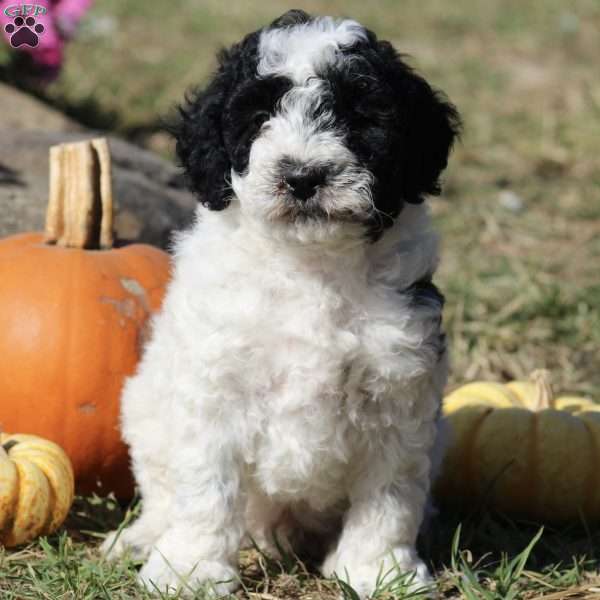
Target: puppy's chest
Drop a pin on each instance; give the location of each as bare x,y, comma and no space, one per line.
310,333
310,410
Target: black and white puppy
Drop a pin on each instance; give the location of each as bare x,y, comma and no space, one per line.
294,376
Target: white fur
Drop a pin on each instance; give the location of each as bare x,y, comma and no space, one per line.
303,50
285,376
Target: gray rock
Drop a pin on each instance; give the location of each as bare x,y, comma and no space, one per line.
23,111
150,199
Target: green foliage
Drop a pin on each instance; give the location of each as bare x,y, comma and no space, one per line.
505,576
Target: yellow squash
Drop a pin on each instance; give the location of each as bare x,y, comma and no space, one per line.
36,488
518,449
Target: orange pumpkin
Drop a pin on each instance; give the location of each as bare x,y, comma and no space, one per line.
73,319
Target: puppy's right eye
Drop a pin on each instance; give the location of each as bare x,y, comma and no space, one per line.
248,109
260,117
362,85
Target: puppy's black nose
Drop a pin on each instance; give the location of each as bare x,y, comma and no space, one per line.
303,182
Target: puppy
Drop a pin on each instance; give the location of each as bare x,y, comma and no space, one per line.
294,376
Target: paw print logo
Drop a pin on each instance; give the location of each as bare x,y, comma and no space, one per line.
24,32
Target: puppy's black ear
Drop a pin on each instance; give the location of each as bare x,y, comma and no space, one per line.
428,125
200,148
291,17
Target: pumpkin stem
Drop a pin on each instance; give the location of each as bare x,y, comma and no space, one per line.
80,205
544,395
8,446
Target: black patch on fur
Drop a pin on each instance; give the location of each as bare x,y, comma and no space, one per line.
291,17
400,128
424,293
201,146
442,345
251,104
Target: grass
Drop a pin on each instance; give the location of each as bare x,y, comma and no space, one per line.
520,220
487,557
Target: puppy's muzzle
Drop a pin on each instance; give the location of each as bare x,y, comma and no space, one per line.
303,181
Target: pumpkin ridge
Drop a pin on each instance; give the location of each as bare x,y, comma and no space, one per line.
54,469
531,470
12,509
591,486
68,383
47,527
468,447
28,523
123,264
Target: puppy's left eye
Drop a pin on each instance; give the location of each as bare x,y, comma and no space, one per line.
260,117
252,129
374,101
367,86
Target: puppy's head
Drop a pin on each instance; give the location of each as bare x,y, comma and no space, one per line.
313,121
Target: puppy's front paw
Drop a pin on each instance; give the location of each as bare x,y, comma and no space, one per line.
138,541
401,565
180,569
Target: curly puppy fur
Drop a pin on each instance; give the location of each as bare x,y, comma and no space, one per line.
292,384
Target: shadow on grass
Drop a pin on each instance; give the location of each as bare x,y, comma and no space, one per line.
485,534
489,535
91,517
